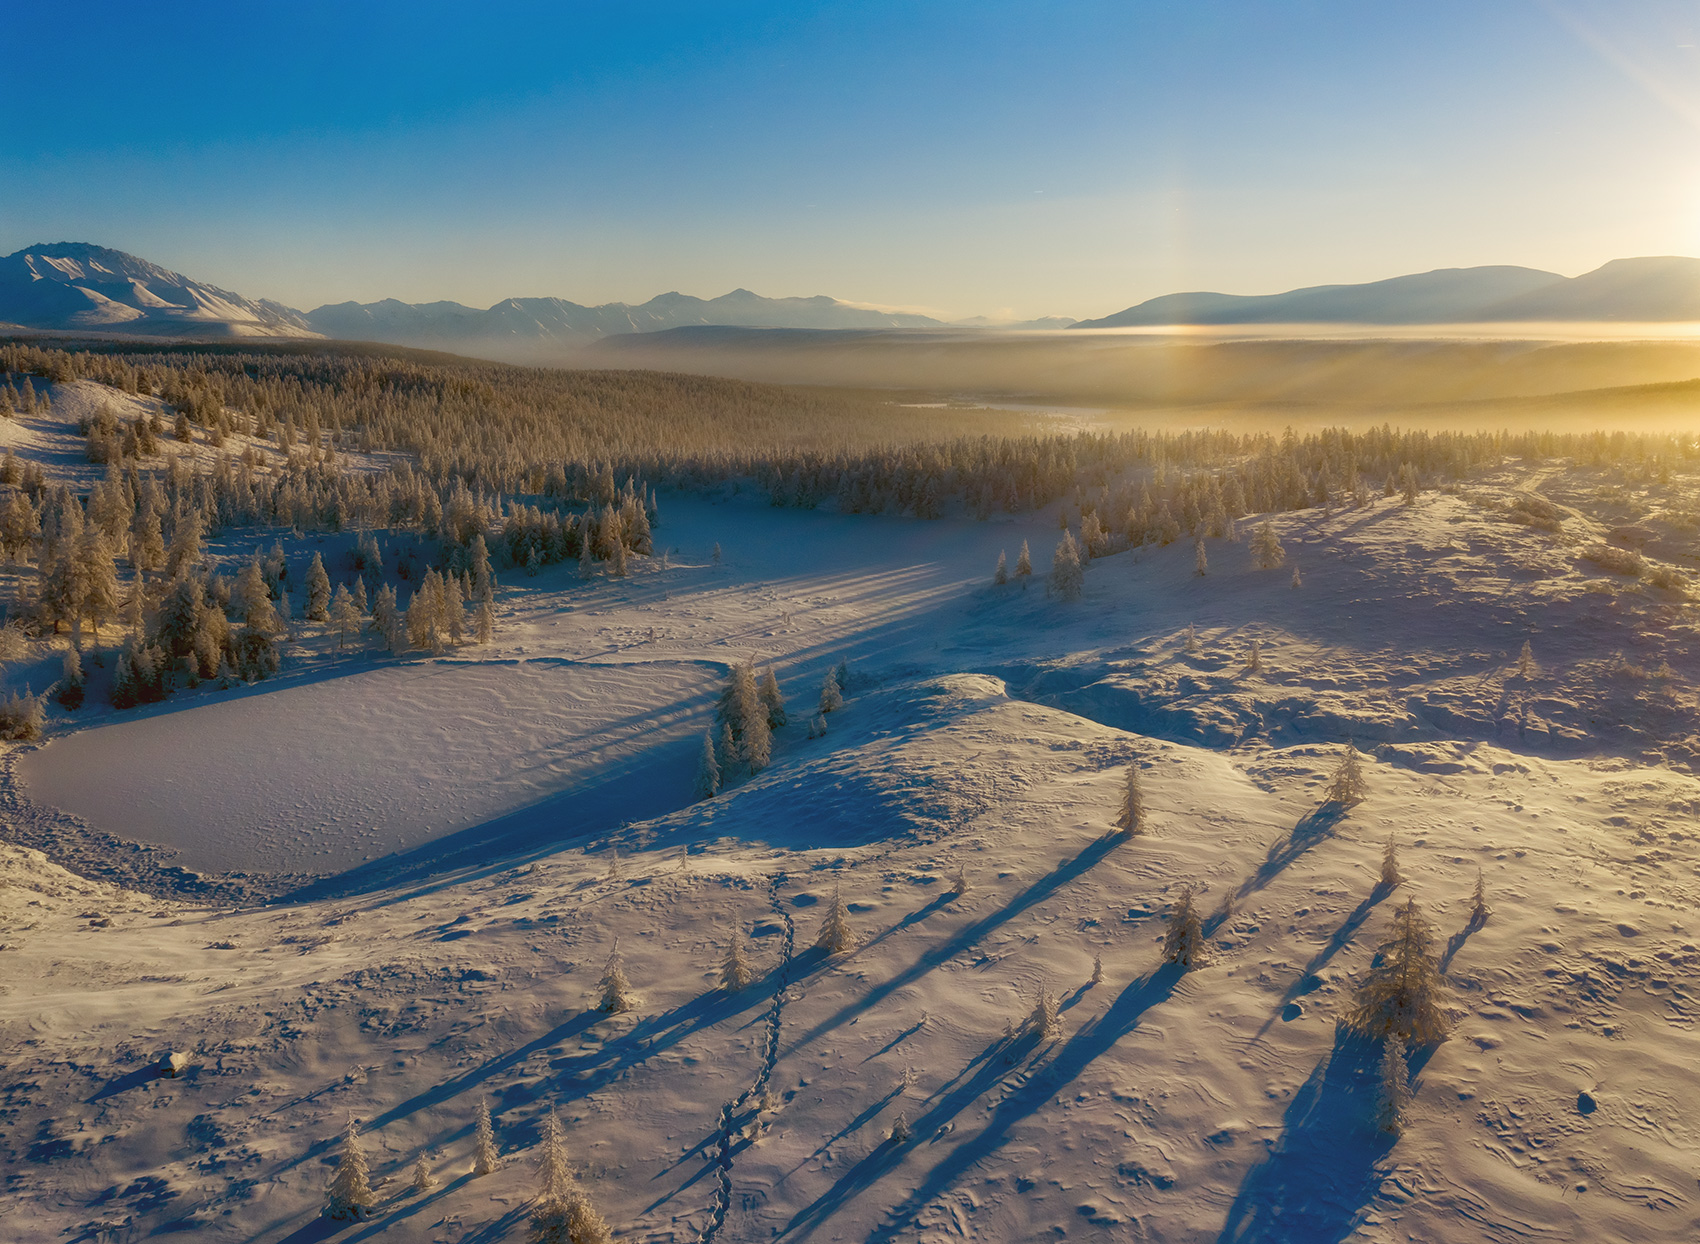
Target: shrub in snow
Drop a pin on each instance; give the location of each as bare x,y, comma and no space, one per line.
1000,576
831,693
1404,993
1346,787
423,1179
1266,550
1132,818
21,716
1395,1095
735,972
1184,943
835,935
1098,969
350,1193
708,769
959,880
1390,874
617,993
1068,577
484,1156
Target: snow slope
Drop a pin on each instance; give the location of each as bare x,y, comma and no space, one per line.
988,729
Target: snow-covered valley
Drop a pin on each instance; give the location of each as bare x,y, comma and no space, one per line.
466,840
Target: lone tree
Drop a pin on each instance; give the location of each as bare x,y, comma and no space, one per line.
1266,550
1046,1016
1395,1095
1068,577
835,935
831,694
1526,666
1479,909
1132,818
1191,638
1404,993
485,1159
735,972
350,1193
1391,877
708,769
1184,944
1346,787
423,1179
1200,562
616,989
1000,576
561,1214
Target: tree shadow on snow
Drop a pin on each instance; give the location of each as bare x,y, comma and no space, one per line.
1315,827
1321,1173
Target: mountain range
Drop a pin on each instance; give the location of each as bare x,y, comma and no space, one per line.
1656,288
76,286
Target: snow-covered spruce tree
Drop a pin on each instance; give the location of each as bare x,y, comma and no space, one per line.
484,621
831,697
586,556
423,1179
1254,657
1098,969
350,1194
1191,643
735,971
1184,943
1132,817
386,618
185,549
1394,1099
1200,562
1046,1016
835,935
555,1187
1023,562
1526,661
1068,577
253,599
1403,993
1391,877
1346,787
318,607
485,1159
1479,909
1000,576
71,680
708,769
97,581
1297,581
343,615
742,711
1266,550
22,716
772,700
899,1133
959,881
616,989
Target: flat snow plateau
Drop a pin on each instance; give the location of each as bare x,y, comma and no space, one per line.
487,827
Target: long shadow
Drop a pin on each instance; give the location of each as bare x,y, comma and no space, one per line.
401,1210
127,1081
1455,943
1322,1171
1310,831
947,950
1077,1053
1304,982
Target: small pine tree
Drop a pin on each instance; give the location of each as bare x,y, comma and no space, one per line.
1191,639
959,881
616,989
1266,550
708,769
1390,874
423,1179
1479,909
835,935
716,555
817,726
555,1186
318,591
1068,577
1046,1016
71,680
1098,969
735,971
350,1193
1395,1096
899,1130
344,615
772,700
485,1159
1023,562
1404,992
1132,818
1254,657
1200,562
1297,581
1346,787
1526,661
1184,944
831,696
1000,576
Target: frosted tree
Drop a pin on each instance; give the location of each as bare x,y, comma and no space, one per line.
1184,943
1023,562
253,600
318,607
1403,993
423,1179
483,580
1098,969
1068,577
959,881
772,700
1191,642
1266,550
831,697
484,621
586,556
1479,909
743,712
556,1188
344,614
185,548
1394,1099
1045,1018
485,1159
1000,576
1297,581
147,544
427,614
708,769
899,1130
735,971
350,1193
386,618
71,679
1390,874
616,989
835,935
96,581
1526,661
1254,657
1346,787
1132,817
1200,562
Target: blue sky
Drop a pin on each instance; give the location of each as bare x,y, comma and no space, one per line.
961,158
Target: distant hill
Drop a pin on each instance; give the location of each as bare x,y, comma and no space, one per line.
75,285
1648,289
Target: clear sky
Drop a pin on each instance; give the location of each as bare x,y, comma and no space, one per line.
1044,157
